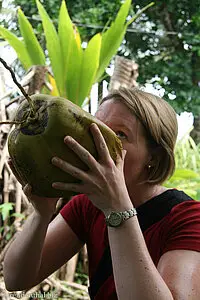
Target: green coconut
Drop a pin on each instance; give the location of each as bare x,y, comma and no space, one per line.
40,136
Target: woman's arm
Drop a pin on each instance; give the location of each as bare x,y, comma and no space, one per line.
136,277
40,248
23,258
135,274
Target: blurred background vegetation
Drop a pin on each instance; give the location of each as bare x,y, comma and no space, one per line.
164,41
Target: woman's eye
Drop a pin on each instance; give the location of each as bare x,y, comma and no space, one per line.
121,135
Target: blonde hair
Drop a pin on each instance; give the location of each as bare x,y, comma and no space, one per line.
160,123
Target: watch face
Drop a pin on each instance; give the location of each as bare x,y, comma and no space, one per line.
115,219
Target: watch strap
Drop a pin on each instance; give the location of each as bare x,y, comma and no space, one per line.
129,213
124,215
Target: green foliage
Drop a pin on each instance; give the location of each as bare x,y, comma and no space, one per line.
5,209
18,45
188,154
6,214
80,276
68,45
33,47
187,174
186,180
90,66
53,47
93,12
75,69
166,46
110,37
164,41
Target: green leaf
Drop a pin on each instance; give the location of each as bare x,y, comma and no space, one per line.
54,49
139,13
18,46
18,215
72,54
5,209
34,49
184,174
74,69
8,236
89,68
66,37
112,38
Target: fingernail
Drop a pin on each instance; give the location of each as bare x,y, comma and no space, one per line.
55,159
27,189
68,139
124,153
93,125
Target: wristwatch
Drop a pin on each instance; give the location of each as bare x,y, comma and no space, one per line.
115,219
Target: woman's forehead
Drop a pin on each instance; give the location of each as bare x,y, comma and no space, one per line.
115,110
116,114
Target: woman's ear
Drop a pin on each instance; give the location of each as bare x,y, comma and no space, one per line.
156,155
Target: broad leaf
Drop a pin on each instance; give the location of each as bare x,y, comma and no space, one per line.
74,69
18,215
33,47
112,38
66,37
70,42
181,174
5,209
53,47
89,68
18,46
54,91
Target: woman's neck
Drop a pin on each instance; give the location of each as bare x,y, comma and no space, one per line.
144,192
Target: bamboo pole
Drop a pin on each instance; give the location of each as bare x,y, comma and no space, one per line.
85,259
4,155
18,204
18,198
71,268
6,186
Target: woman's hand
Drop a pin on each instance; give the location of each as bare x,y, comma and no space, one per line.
42,205
104,182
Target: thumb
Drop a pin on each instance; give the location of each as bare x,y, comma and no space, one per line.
27,190
120,160
123,154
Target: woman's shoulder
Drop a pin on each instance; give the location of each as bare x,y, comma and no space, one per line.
81,215
188,208
81,204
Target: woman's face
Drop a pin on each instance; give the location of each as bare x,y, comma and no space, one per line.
131,133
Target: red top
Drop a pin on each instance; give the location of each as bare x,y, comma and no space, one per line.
169,221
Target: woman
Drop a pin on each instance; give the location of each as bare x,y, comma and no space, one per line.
143,240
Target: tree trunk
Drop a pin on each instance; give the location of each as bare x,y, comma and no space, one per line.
125,73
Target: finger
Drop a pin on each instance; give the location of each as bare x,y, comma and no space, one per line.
100,143
66,167
120,160
78,188
9,161
27,189
84,154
